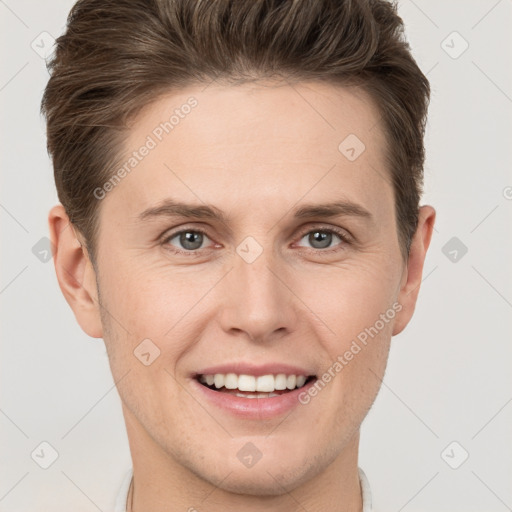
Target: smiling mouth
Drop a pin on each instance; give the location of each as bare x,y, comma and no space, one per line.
250,386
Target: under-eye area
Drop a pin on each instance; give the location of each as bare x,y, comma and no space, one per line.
250,386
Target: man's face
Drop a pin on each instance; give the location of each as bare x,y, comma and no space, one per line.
262,291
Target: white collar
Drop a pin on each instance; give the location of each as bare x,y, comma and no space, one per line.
366,492
122,496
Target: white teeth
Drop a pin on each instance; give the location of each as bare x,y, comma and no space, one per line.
301,379
263,383
246,383
260,395
231,381
291,381
218,380
280,381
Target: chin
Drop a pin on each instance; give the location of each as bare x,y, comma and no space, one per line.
264,481
269,476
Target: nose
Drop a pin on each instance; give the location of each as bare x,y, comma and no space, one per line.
256,300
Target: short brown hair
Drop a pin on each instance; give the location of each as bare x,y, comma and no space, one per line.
118,56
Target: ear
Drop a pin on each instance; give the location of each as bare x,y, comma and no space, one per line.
411,279
75,273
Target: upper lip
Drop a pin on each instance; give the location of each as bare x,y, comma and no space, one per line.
242,368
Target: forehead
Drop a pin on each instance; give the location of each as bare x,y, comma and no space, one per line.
307,114
250,143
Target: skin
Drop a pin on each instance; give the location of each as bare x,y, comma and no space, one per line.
257,152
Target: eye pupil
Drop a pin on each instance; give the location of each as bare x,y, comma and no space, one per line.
191,240
323,238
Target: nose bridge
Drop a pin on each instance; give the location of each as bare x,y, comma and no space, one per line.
256,301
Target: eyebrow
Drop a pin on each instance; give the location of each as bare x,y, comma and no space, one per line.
335,209
172,208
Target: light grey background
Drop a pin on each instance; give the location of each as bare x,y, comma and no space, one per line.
449,375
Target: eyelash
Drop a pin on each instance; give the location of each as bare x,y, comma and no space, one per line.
344,237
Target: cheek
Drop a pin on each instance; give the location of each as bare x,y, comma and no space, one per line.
350,299
363,319
356,304
169,307
149,301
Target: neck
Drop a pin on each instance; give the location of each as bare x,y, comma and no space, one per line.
159,480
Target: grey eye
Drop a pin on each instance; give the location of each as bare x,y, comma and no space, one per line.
320,239
189,240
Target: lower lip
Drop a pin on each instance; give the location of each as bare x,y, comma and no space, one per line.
254,408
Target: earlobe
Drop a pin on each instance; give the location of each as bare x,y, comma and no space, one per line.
75,273
411,280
